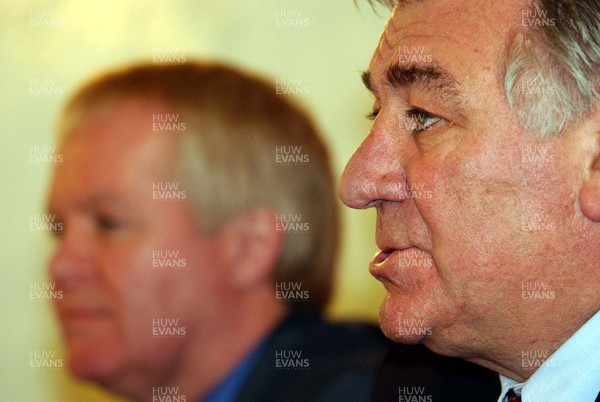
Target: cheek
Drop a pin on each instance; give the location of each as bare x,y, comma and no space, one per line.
180,280
150,321
126,273
134,291
472,189
491,202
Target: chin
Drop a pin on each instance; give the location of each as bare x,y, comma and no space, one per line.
402,325
94,362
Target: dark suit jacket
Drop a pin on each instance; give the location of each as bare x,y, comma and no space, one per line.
345,359
414,373
329,362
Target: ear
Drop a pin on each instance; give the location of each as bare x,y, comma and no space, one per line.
251,246
589,198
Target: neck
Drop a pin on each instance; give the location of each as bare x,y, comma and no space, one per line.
212,354
519,356
515,352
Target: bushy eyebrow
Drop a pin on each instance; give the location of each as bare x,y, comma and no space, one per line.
428,76
407,75
366,79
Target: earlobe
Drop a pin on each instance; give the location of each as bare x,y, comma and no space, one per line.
252,246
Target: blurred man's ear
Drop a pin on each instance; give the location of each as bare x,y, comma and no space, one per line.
251,246
589,198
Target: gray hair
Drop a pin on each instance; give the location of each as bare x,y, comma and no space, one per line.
552,70
243,146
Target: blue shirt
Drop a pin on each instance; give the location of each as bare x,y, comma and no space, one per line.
572,373
227,390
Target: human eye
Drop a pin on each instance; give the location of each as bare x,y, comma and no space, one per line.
421,120
57,232
57,229
108,224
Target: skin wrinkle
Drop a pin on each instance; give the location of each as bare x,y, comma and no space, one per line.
105,270
460,99
384,44
431,78
484,188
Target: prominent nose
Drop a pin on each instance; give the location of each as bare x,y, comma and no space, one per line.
72,263
375,172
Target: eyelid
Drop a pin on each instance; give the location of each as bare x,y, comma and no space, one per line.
58,228
108,222
373,115
415,113
58,233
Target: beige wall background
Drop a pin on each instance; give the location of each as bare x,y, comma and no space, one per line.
52,46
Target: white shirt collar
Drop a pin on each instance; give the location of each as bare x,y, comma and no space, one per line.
572,373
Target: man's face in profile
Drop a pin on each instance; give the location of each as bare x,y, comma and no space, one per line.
139,282
470,207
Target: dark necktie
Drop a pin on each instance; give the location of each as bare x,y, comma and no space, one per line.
512,397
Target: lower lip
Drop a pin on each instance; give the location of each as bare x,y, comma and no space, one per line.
380,263
400,266
381,257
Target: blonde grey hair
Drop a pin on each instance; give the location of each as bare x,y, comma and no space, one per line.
552,70
227,158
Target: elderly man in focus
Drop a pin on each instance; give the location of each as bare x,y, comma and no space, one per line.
483,164
200,229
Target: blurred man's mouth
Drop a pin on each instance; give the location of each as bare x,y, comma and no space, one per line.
80,319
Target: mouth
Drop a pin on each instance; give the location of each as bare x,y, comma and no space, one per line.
381,256
81,314
380,265
77,318
400,266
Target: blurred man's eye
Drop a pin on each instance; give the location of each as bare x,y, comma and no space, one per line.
58,230
108,223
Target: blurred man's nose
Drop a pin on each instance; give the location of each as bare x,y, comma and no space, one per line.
71,263
374,173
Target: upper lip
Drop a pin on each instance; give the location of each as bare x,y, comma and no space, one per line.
388,247
386,250
388,240
79,310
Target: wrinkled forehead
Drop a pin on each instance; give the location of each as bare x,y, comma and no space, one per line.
478,27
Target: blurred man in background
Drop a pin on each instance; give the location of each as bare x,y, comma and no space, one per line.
200,230
483,164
